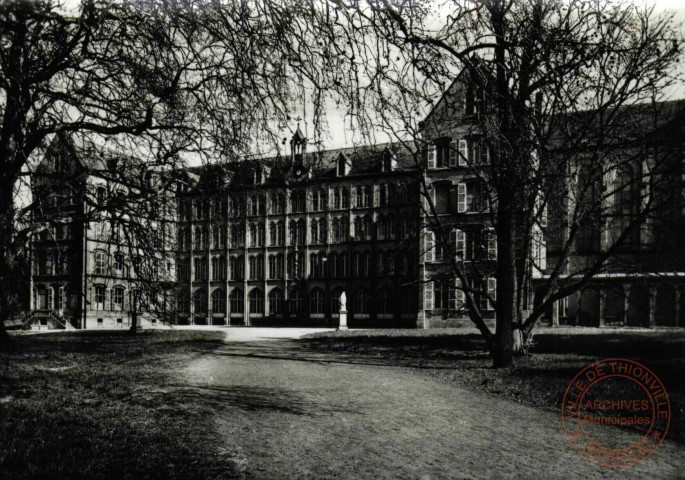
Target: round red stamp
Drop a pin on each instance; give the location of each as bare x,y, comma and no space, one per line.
616,412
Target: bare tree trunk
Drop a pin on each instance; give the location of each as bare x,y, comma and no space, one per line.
134,315
506,285
6,261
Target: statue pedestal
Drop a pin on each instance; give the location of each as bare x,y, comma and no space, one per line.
343,320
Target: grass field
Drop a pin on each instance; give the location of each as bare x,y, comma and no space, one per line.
540,378
100,405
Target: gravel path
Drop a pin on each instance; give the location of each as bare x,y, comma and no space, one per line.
286,412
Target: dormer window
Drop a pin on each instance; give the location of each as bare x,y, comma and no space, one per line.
343,166
101,194
389,162
473,101
298,146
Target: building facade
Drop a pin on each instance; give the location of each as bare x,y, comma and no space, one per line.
277,241
100,258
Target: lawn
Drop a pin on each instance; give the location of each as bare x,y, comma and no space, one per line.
540,378
101,405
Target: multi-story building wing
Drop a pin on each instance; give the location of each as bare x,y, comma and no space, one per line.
102,250
279,240
456,215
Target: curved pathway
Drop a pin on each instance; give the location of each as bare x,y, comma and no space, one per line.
287,412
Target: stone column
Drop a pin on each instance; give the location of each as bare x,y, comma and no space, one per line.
602,306
626,303
579,294
652,306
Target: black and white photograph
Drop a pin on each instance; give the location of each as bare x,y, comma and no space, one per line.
342,239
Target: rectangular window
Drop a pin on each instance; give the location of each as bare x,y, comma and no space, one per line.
431,156
100,262
453,153
99,299
463,153
492,291
461,198
118,299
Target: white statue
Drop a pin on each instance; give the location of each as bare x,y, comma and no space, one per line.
343,301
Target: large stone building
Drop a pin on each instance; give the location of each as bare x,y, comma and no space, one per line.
100,256
279,240
276,241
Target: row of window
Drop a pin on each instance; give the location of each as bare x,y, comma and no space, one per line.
297,232
472,195
319,200
100,298
59,231
465,152
449,294
53,298
332,265
54,262
467,244
295,303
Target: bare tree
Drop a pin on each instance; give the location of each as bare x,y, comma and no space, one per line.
213,79
555,84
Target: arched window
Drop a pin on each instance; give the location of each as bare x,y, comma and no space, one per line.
301,232
181,236
343,268
237,267
381,228
322,230
276,301
215,236
358,228
366,264
335,299
318,200
333,265
256,298
360,301
384,301
380,263
316,299
314,231
292,265
200,301
315,265
336,230
236,300
292,228
272,233
256,267
345,198
356,264
360,197
253,235
218,301
182,303
336,198
295,302
382,195
368,196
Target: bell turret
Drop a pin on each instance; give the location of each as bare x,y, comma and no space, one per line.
298,147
